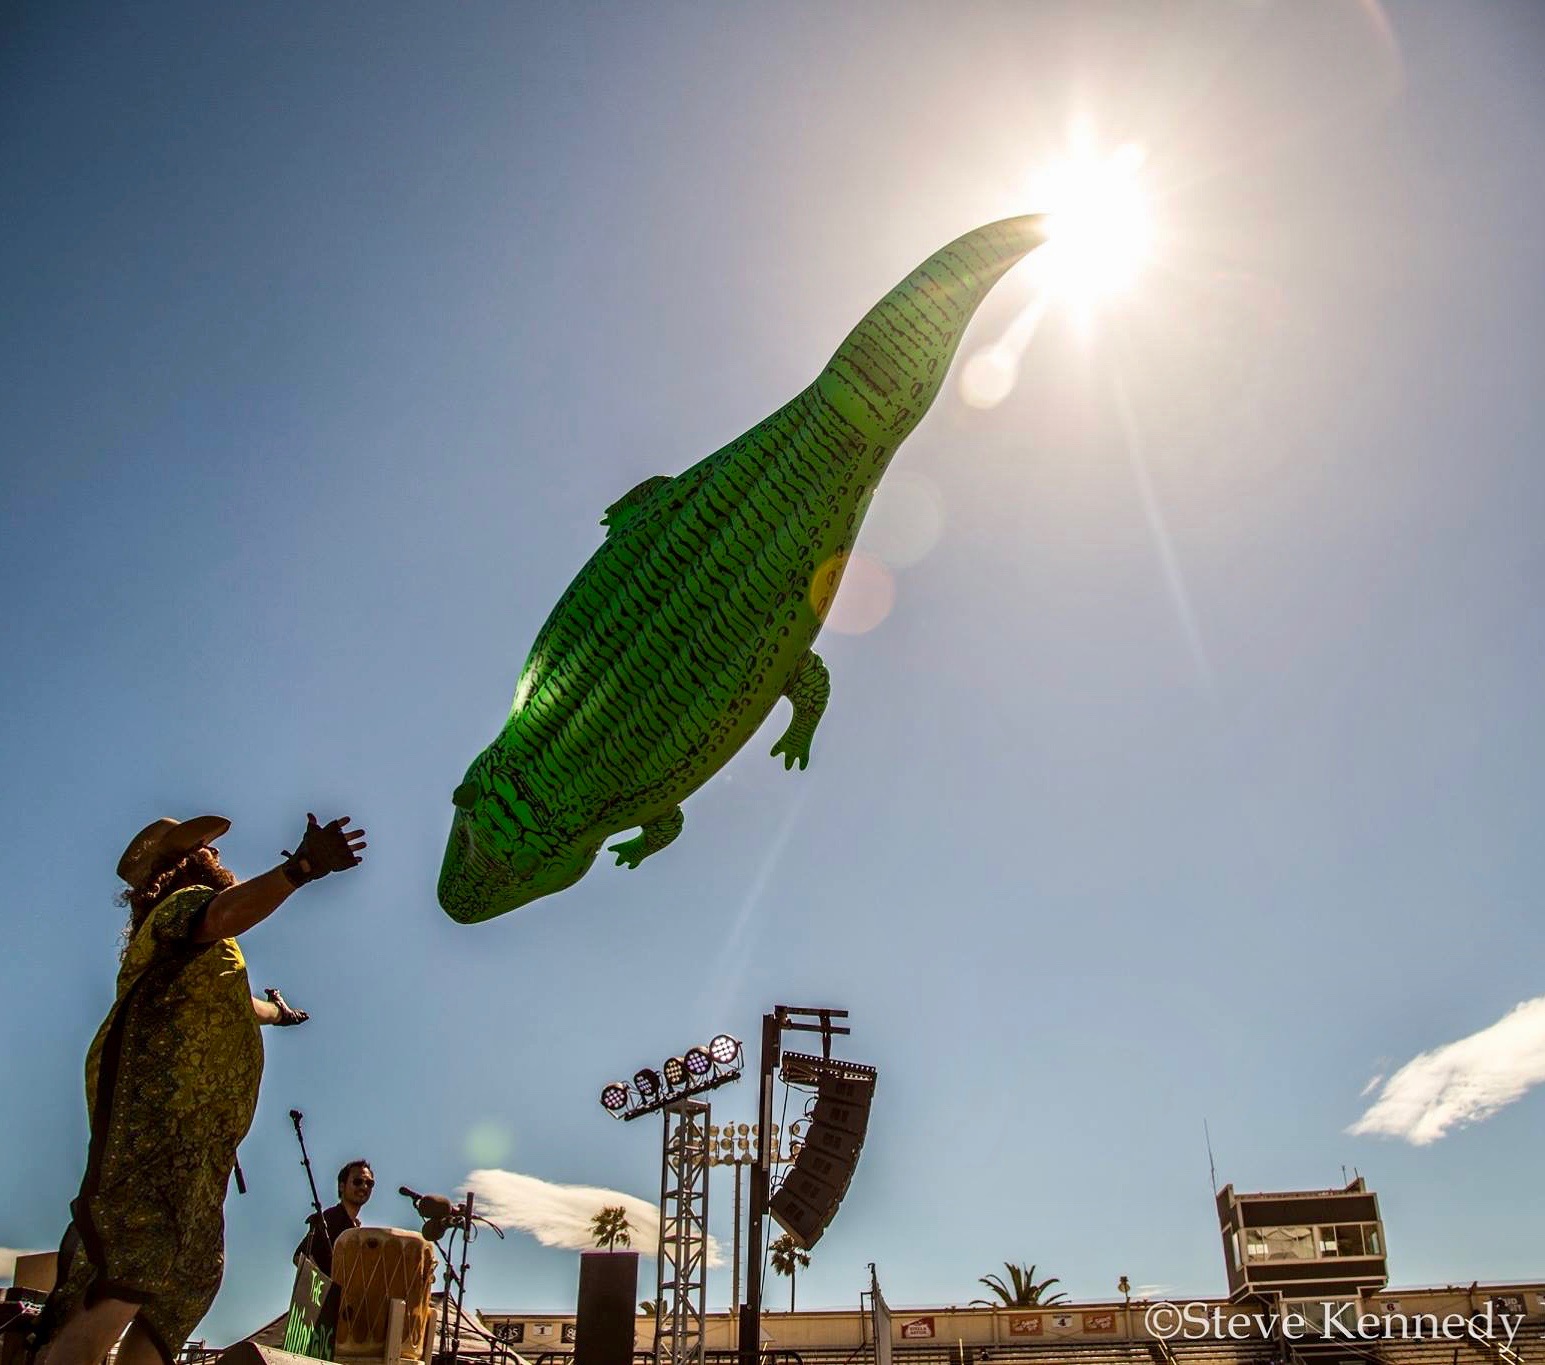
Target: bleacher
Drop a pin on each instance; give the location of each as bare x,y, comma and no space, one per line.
1528,1349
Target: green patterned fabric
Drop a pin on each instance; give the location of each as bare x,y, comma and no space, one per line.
698,613
171,1086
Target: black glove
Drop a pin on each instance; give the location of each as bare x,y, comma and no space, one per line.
323,849
288,1017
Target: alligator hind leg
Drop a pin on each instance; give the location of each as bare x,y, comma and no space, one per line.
651,838
808,688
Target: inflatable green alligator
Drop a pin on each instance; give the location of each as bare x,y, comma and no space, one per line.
698,612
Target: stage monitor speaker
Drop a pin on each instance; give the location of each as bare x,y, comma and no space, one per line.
608,1308
806,1202
250,1353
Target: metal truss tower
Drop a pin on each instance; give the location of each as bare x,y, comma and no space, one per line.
683,1253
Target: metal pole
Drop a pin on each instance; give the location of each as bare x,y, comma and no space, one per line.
735,1260
751,1313
295,1117
461,1287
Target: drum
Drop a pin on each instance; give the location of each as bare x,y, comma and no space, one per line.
373,1266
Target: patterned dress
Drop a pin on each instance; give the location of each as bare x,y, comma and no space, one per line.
171,1085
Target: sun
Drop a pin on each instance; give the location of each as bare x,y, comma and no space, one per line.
1100,236
1100,223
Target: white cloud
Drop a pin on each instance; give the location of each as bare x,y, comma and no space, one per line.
1462,1082
1372,1085
559,1215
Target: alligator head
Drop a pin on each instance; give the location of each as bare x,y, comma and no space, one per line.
505,850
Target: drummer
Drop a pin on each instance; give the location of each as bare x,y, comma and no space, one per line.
356,1181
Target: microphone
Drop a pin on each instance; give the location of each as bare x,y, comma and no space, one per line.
296,1116
428,1205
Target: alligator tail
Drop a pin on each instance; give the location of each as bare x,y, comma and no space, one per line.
886,374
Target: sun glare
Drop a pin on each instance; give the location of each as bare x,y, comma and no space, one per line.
1100,234
1100,227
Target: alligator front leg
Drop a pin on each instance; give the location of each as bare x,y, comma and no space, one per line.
808,688
621,512
651,838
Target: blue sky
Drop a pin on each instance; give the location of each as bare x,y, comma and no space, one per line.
1191,772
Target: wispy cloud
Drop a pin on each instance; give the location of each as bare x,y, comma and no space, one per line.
559,1215
1461,1082
1372,1085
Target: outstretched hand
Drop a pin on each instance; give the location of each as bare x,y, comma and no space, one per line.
288,1017
323,849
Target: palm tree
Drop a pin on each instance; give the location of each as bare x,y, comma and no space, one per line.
1021,1291
786,1260
610,1227
651,1308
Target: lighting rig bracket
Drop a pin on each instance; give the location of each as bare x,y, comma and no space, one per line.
799,1069
696,1071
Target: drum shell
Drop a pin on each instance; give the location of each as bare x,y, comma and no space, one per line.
373,1266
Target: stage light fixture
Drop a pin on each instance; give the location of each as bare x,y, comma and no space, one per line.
724,1049
698,1069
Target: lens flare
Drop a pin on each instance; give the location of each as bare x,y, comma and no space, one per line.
488,1142
868,594
987,378
905,520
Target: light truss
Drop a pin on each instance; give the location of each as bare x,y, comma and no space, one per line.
683,1252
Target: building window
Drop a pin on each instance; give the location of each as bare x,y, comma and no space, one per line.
1350,1239
1280,1244
1322,1242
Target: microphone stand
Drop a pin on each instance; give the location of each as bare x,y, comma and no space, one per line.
464,1218
295,1117
461,1288
457,1218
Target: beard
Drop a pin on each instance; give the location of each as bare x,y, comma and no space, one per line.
202,867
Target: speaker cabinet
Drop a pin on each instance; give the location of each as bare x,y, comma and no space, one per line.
608,1308
806,1202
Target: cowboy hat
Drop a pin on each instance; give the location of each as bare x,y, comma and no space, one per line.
164,842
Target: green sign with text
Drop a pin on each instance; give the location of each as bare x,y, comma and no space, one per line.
312,1326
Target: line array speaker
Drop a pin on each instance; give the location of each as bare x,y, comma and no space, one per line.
806,1202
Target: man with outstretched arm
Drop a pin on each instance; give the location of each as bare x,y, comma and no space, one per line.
171,1085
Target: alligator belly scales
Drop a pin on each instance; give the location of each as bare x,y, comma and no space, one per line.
698,612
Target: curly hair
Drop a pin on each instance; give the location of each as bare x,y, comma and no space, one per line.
359,1162
202,867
